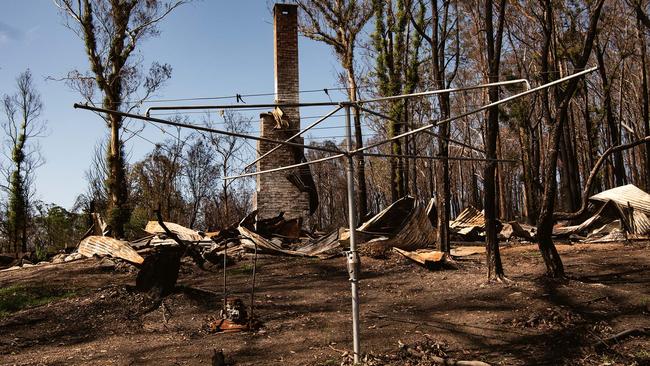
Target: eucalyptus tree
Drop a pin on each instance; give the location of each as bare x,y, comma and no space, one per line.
338,24
111,31
22,125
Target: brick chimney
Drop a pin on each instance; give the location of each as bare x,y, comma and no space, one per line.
290,191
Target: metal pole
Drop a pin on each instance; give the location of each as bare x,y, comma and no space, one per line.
225,288
352,256
252,314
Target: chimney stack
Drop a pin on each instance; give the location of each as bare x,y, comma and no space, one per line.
290,191
285,42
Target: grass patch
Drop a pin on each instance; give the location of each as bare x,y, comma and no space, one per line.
532,254
18,297
246,269
642,355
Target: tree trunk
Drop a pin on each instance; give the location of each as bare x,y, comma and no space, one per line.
529,184
619,169
504,208
552,260
645,101
443,185
592,135
495,268
362,193
554,266
118,211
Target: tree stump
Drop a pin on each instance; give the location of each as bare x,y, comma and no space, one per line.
159,272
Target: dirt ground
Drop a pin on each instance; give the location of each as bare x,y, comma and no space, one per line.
304,309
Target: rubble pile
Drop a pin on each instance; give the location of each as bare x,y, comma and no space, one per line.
407,227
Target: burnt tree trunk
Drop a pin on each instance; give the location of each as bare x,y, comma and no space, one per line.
552,260
495,268
530,189
159,272
614,133
645,101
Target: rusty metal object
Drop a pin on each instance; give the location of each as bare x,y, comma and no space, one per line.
427,258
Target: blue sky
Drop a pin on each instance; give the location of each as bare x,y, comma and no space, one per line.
216,48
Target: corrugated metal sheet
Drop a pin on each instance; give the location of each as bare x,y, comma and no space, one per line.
183,233
391,218
105,245
469,218
641,223
416,232
637,198
607,213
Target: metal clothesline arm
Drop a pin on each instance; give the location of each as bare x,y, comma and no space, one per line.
418,130
438,157
205,129
321,104
381,115
485,107
442,91
239,106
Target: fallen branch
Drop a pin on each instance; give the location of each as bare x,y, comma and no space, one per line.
592,176
605,343
190,250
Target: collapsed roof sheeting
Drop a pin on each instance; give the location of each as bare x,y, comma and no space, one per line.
251,239
182,232
627,206
416,231
105,245
390,218
640,223
624,195
324,247
467,220
426,258
607,213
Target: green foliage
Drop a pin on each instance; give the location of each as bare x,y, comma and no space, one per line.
137,221
56,228
19,297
